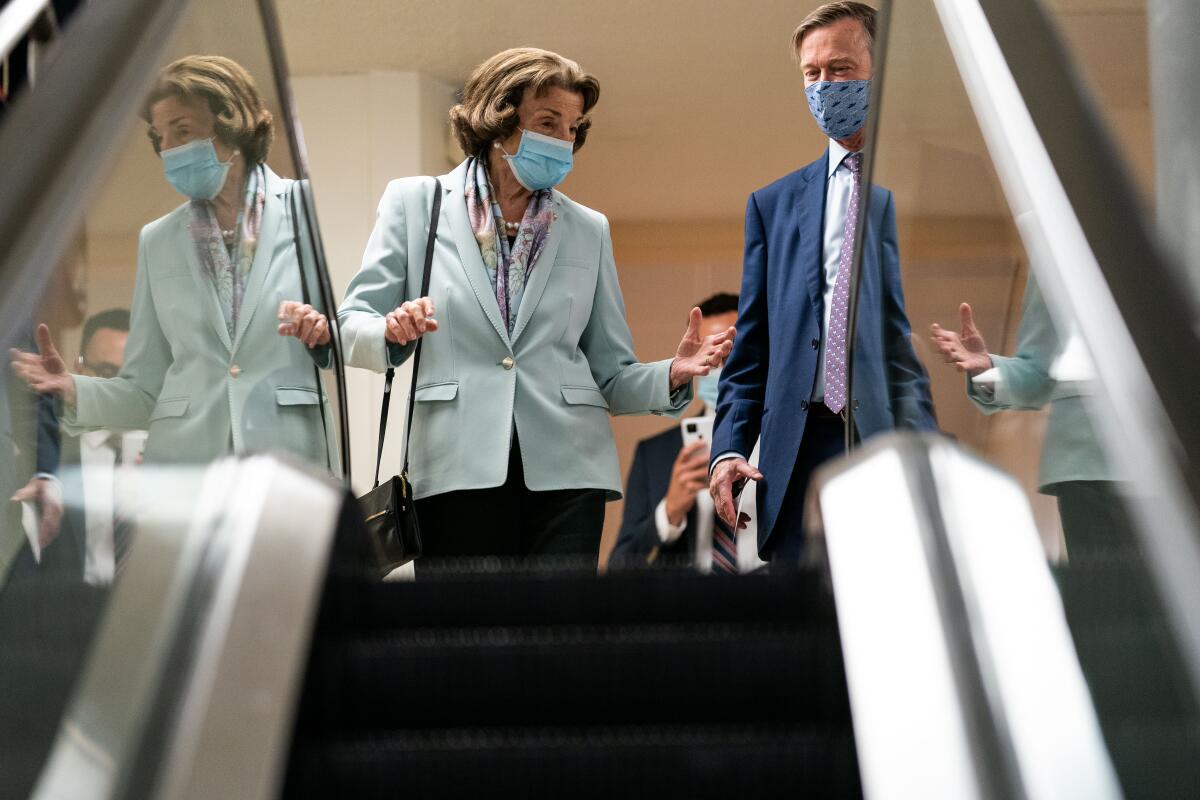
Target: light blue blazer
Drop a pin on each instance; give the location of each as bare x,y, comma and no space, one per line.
199,393
1071,451
568,365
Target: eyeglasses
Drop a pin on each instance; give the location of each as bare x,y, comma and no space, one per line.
101,370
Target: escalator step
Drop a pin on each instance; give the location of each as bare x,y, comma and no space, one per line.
618,598
1157,761
1133,672
571,675
1109,591
652,762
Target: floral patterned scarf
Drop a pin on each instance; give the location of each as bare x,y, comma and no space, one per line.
508,266
228,266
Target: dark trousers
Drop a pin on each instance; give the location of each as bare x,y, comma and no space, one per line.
824,439
511,525
1095,522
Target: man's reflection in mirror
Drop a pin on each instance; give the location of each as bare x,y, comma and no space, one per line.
29,456
1046,369
97,466
205,371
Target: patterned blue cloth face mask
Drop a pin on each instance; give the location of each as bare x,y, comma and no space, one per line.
541,161
839,107
194,170
706,388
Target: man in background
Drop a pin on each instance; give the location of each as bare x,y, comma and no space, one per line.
93,461
787,377
669,518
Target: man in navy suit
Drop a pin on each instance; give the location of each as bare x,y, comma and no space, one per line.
786,378
662,524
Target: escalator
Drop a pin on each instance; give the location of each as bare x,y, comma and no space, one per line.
557,685
249,649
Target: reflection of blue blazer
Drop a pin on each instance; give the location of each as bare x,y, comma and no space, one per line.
769,377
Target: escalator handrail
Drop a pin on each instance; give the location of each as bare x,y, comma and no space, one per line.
61,138
191,684
924,586
18,18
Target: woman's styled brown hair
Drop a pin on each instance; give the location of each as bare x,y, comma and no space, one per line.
242,121
488,110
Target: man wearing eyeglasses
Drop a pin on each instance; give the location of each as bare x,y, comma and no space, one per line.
94,462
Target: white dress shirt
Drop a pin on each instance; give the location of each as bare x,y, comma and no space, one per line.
106,480
98,463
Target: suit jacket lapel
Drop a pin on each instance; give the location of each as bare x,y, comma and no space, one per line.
204,287
541,273
811,200
264,252
454,211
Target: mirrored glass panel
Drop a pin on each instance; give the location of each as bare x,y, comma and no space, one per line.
185,323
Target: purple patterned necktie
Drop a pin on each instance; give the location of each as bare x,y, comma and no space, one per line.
835,344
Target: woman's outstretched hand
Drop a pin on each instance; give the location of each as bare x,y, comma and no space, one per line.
410,321
45,372
304,322
697,356
966,350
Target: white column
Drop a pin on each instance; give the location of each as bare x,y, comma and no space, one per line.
361,131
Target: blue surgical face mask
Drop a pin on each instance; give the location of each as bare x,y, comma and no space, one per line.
194,170
541,161
839,107
706,388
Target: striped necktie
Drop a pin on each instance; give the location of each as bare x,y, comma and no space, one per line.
724,549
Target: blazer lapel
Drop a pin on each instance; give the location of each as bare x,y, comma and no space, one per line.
204,288
811,200
264,252
454,211
541,273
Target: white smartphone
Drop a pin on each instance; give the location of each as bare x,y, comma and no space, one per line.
696,429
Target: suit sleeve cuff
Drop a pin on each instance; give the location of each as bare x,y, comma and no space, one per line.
667,532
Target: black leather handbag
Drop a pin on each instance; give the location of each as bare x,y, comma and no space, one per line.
389,510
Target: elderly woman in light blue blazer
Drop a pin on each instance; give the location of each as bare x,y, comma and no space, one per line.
206,370
526,347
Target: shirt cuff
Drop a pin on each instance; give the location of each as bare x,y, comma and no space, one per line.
728,454
667,532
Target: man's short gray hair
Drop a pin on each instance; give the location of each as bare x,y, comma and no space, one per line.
831,13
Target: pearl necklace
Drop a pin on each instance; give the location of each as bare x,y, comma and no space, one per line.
511,226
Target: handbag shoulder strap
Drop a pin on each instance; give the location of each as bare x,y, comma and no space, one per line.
391,372
300,216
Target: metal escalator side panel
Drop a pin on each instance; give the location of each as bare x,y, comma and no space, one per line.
957,688
191,685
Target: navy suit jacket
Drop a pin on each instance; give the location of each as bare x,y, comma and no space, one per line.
649,478
769,377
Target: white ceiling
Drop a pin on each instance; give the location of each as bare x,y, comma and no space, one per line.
700,101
